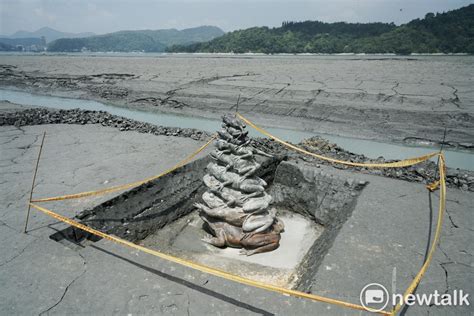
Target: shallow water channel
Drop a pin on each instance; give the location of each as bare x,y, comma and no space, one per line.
372,149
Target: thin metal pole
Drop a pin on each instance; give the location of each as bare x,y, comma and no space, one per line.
237,105
440,151
33,183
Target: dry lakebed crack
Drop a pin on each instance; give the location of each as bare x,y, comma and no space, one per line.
384,217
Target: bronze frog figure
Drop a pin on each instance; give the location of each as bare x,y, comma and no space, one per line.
227,235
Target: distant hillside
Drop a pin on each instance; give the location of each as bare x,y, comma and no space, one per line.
146,40
451,32
21,44
49,33
21,41
6,47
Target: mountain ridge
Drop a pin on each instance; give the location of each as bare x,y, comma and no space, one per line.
49,33
137,40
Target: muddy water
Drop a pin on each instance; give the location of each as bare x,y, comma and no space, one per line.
372,149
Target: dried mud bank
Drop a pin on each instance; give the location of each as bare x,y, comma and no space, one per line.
425,172
40,116
385,99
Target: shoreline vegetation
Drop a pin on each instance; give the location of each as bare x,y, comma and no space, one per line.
446,33
450,32
151,54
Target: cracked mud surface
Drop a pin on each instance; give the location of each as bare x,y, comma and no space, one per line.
387,99
388,233
389,228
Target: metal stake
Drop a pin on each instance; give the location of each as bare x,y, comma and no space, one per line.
237,105
33,184
440,151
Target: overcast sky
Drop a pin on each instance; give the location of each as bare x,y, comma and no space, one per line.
103,16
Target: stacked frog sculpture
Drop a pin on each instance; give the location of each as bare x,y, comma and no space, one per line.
236,207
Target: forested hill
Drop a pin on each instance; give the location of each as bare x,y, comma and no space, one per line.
128,41
450,32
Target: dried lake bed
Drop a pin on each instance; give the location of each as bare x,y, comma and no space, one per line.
400,99
391,223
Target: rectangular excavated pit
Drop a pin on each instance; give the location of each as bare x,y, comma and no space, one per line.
313,203
279,267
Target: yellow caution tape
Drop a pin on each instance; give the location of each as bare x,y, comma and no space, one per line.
129,185
433,186
200,267
403,163
228,276
442,206
396,164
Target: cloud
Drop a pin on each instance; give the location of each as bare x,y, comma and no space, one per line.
40,12
93,10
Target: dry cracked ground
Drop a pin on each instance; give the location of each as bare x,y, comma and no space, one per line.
389,229
395,99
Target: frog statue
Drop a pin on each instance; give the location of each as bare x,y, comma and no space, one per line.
236,209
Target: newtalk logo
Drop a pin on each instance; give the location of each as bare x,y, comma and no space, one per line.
375,298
